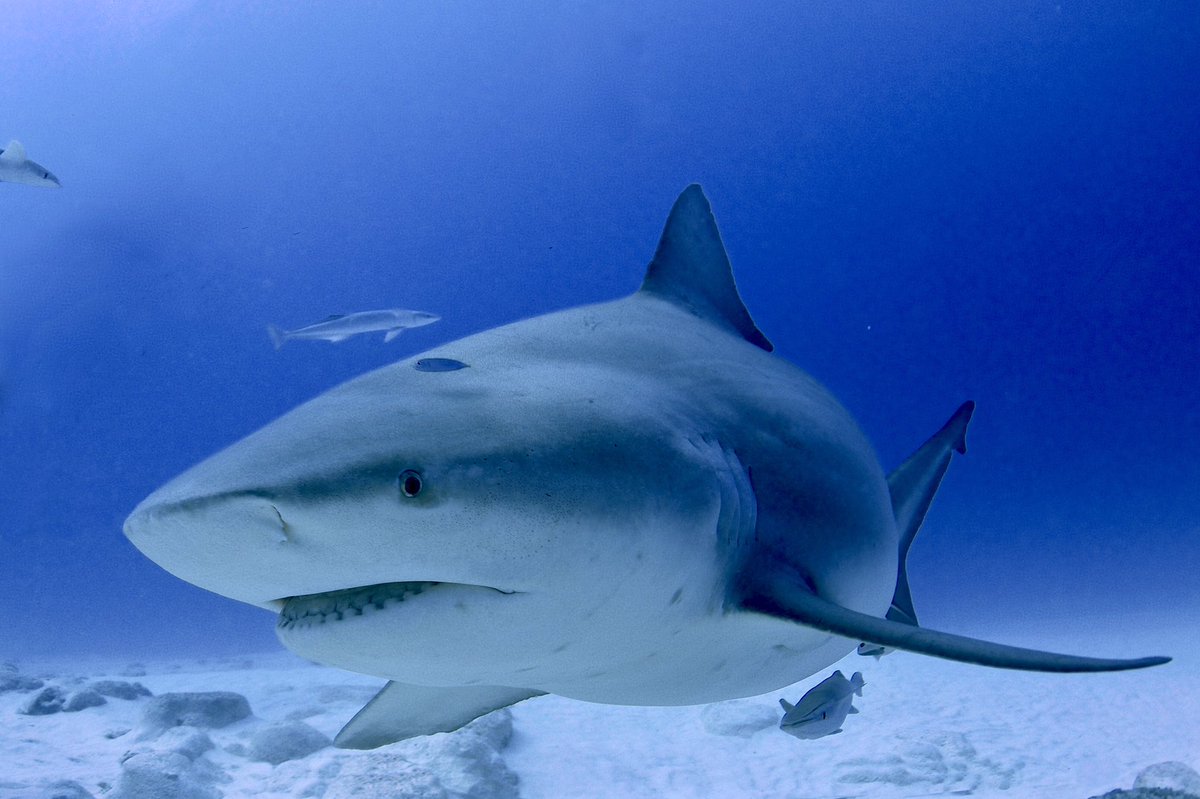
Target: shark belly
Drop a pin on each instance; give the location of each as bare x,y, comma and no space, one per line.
468,636
646,625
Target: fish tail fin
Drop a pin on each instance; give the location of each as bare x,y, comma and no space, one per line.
278,337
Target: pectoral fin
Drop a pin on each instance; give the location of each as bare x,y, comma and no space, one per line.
401,711
780,592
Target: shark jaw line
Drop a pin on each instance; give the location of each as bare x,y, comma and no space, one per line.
308,610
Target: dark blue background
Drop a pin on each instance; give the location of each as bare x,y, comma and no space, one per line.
924,202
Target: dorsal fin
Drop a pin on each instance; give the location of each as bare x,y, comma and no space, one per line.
13,151
691,269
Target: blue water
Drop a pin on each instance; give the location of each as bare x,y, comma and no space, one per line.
924,203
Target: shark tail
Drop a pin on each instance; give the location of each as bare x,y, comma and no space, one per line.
278,336
774,588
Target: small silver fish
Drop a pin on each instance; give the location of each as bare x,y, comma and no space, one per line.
16,168
822,710
341,327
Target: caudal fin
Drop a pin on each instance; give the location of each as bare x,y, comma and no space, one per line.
857,682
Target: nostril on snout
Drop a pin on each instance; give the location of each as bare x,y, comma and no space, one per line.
284,529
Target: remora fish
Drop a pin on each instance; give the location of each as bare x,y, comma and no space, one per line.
822,710
627,503
340,327
16,168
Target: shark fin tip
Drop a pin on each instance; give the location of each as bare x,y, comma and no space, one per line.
691,269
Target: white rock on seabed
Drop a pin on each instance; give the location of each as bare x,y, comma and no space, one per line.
11,679
46,702
173,766
64,789
59,789
210,710
287,740
167,775
82,700
1169,780
54,699
119,689
187,741
466,764
1171,774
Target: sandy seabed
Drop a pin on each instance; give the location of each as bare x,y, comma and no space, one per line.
925,728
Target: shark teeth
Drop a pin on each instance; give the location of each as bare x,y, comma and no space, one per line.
311,609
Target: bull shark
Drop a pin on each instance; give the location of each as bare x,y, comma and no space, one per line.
631,503
16,168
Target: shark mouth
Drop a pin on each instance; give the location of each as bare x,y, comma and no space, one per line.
309,610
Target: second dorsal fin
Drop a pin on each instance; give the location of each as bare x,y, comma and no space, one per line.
691,269
912,486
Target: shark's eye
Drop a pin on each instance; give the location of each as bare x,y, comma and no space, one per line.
410,483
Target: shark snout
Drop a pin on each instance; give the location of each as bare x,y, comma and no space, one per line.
233,544
253,515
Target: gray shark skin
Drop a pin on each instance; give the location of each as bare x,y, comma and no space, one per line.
628,503
16,168
339,327
823,709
